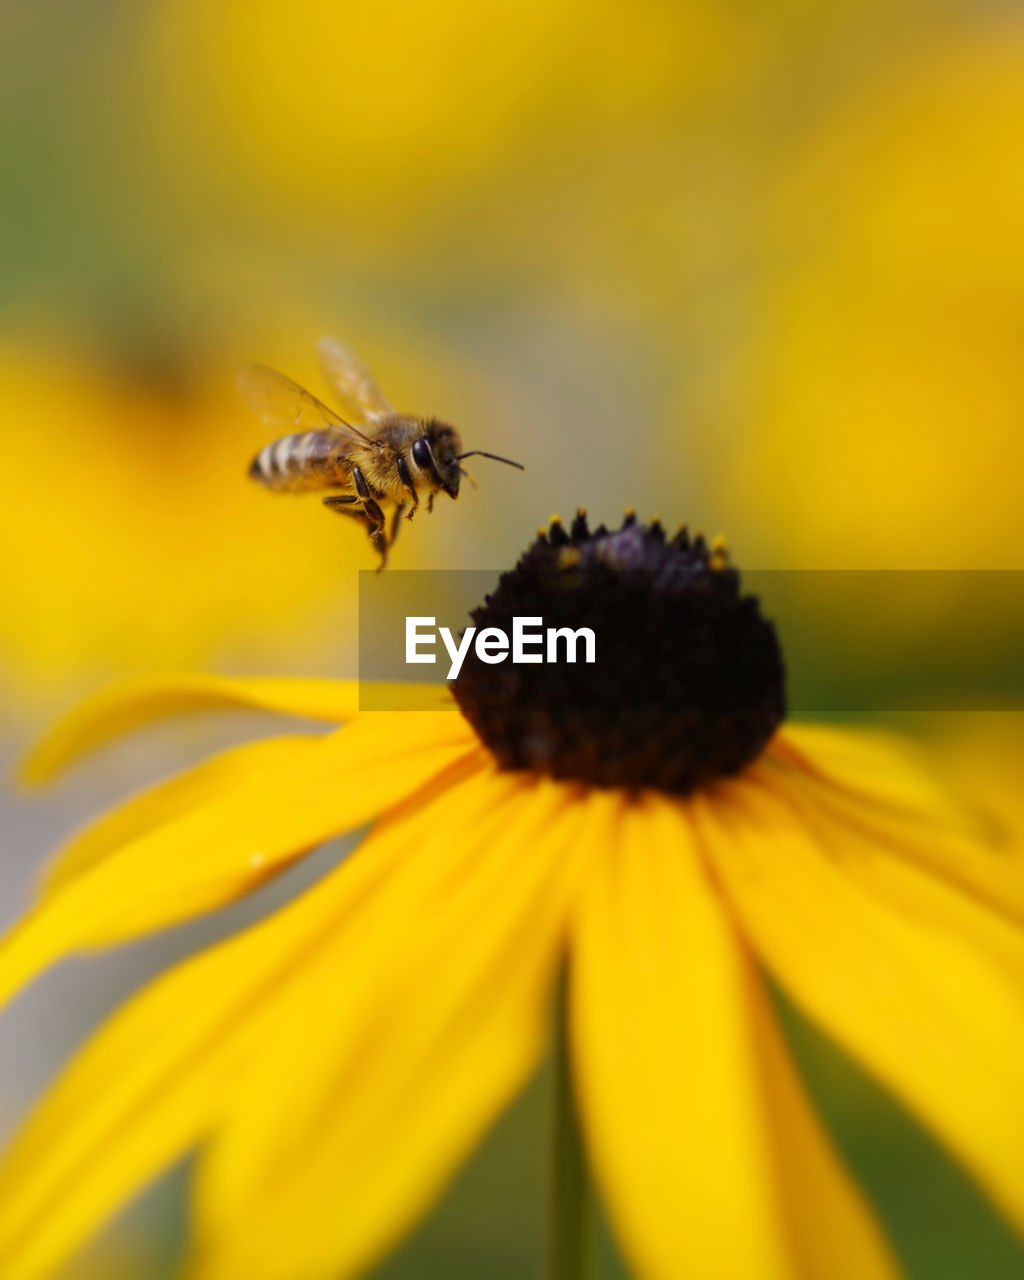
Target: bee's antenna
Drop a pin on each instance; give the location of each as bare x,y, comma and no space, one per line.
479,453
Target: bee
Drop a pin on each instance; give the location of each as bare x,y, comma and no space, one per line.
371,457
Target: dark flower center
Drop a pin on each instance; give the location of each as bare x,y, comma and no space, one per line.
688,682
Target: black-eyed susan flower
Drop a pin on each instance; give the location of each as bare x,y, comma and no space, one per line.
656,836
160,457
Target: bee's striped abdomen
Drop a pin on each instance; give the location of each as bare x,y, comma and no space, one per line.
304,461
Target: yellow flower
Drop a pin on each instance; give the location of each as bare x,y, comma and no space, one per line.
465,100
163,466
894,323
164,463
336,1062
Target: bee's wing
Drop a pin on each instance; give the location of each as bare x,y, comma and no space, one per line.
286,407
353,383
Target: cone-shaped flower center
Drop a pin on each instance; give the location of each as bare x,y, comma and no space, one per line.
687,684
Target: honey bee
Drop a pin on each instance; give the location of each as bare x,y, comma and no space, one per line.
372,457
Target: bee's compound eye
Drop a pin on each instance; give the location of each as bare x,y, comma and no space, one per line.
421,454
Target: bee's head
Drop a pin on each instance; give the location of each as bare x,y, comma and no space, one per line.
436,456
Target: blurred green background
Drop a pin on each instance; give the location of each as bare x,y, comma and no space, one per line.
759,267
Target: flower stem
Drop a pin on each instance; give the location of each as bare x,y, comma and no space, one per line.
569,1209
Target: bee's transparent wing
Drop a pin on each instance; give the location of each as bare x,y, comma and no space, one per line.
286,407
354,384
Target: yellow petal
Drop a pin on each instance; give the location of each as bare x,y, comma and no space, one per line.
871,765
133,703
211,855
907,886
428,1016
981,758
906,991
166,1069
156,806
881,785
711,1161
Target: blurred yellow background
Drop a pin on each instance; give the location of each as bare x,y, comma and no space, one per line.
755,266
758,268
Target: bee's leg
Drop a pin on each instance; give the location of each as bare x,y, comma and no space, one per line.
403,474
343,505
430,504
368,513
375,528
396,523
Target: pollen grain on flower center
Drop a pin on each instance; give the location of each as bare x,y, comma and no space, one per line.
688,683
